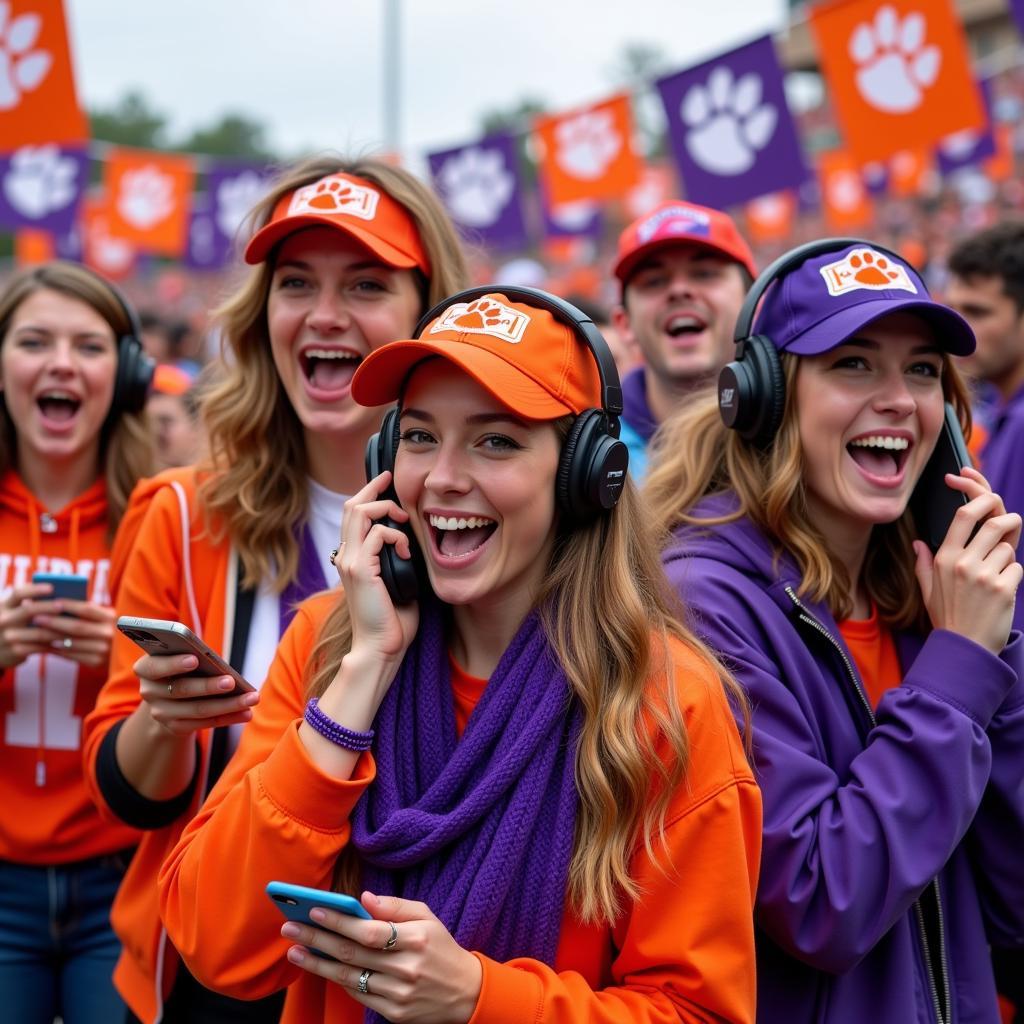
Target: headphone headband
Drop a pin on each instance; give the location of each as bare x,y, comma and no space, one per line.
783,265
586,329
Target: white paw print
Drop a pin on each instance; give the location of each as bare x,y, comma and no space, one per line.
844,191
40,180
235,198
587,144
574,216
21,67
727,122
894,66
146,197
477,186
112,255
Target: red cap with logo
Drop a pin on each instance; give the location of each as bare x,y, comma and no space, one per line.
677,222
358,207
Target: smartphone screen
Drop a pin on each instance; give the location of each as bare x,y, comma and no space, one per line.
934,503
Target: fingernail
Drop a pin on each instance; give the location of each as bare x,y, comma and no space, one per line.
296,955
316,914
291,930
225,683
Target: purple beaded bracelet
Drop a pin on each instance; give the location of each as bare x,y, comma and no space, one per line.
331,730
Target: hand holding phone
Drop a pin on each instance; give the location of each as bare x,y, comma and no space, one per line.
934,503
296,901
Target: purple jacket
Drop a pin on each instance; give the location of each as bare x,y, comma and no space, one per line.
863,809
1002,461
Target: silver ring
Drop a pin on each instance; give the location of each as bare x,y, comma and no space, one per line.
363,984
393,938
170,690
67,643
334,554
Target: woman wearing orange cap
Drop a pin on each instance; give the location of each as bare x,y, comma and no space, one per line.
345,258
530,771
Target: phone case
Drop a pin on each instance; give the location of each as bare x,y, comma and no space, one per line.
934,503
296,901
71,586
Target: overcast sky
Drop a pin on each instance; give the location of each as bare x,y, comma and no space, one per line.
311,70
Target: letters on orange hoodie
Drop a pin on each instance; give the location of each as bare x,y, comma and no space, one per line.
684,951
148,578
48,816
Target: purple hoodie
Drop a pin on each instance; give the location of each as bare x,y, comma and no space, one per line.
862,808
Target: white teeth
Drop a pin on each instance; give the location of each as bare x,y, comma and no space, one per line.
898,444
452,523
325,353
64,395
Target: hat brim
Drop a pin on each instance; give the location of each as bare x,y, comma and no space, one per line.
952,332
267,237
381,376
625,267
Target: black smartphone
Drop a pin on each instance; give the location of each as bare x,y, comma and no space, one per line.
934,503
401,576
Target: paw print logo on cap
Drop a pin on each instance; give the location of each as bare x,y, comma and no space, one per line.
335,194
484,316
866,268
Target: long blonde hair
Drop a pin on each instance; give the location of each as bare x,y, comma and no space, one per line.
604,596
126,446
696,455
255,487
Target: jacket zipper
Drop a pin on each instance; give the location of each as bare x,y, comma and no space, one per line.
805,616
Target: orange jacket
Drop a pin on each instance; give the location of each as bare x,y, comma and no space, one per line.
48,817
685,951
149,579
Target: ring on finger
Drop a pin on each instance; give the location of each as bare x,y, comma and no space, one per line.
393,937
363,985
67,643
170,689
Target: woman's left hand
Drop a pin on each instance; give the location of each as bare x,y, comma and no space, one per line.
89,627
426,976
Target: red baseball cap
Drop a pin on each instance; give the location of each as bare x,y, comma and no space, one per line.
531,362
674,222
358,207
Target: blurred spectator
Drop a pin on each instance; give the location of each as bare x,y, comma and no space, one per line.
156,336
173,417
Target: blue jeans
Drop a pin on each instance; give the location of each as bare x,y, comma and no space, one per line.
57,949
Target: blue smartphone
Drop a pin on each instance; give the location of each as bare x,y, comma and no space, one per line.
296,901
73,587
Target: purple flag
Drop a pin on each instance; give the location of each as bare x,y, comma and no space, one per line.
232,190
42,187
971,146
876,178
732,134
1017,9
480,186
207,248
581,219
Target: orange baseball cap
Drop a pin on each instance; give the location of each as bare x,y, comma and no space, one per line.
531,362
169,379
353,205
677,222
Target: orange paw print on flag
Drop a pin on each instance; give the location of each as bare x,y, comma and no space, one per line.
868,270
481,314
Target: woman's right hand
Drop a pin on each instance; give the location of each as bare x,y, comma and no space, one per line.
970,585
183,703
380,630
19,636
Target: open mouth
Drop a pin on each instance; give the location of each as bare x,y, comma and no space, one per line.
58,406
880,455
329,369
683,325
457,537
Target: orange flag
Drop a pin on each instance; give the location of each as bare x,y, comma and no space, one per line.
770,217
149,199
111,256
588,153
910,171
32,246
999,166
898,73
844,198
38,102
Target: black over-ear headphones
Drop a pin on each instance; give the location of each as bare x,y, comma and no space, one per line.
135,369
593,464
752,388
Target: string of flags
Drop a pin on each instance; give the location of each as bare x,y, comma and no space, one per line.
898,75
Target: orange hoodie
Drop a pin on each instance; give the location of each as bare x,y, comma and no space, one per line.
48,817
149,578
684,951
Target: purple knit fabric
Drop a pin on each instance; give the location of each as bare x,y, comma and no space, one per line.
308,579
480,828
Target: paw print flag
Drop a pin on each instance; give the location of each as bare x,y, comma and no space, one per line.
581,219
971,146
898,73
480,186
845,200
101,249
41,187
149,199
218,216
588,153
770,218
38,101
731,131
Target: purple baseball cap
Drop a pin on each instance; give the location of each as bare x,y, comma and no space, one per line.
830,297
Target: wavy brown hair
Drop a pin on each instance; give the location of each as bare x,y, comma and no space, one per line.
696,455
608,612
256,489
126,446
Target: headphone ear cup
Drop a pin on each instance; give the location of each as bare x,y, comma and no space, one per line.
592,468
135,372
752,391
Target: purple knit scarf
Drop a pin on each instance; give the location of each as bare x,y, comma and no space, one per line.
480,828
308,579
